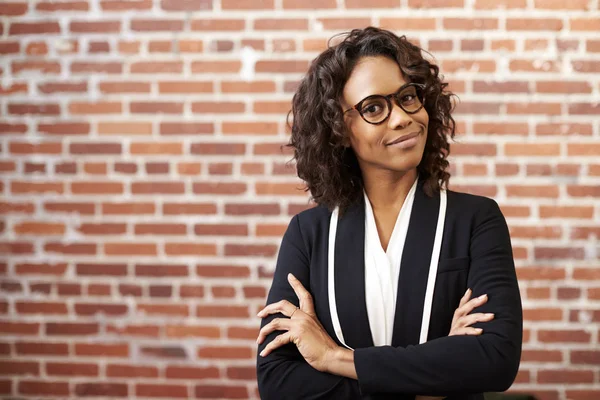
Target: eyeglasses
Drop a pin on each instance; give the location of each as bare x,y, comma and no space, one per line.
375,109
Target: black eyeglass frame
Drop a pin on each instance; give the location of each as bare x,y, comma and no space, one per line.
419,86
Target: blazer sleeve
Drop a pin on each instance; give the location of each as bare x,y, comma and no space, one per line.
284,374
460,364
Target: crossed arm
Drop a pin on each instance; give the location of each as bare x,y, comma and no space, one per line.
441,367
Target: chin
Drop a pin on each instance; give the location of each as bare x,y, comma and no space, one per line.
407,160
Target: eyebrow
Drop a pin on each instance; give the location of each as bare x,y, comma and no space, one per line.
379,94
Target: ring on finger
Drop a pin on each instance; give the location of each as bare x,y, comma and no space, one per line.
297,308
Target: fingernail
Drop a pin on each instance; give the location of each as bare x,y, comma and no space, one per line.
261,353
489,314
290,276
468,290
479,330
483,296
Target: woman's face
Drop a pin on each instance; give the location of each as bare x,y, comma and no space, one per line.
372,143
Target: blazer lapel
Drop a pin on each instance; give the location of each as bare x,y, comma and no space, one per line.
414,268
349,276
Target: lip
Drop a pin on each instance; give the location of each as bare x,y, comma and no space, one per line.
403,138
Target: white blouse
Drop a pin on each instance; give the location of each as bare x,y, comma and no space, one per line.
382,269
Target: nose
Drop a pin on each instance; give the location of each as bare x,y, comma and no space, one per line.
399,119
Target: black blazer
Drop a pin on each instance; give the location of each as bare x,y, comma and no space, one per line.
475,253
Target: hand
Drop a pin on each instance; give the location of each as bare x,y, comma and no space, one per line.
462,320
303,328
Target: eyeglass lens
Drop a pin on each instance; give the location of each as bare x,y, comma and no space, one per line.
375,109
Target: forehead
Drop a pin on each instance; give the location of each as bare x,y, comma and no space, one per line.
372,75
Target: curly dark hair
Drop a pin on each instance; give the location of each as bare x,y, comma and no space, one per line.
329,169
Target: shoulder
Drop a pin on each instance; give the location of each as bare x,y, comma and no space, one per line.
472,206
313,220
309,226
313,215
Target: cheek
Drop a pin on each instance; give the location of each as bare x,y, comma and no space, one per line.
363,139
423,117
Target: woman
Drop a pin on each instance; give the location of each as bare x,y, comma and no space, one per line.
369,297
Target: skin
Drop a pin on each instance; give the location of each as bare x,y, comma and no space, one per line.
388,174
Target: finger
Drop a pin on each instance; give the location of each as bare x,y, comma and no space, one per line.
278,324
282,306
473,303
465,298
466,331
306,301
279,341
470,319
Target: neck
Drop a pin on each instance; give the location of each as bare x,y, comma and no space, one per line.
387,190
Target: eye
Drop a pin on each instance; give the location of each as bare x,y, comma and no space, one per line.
407,98
372,109
374,106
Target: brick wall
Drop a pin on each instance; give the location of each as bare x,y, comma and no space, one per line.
144,192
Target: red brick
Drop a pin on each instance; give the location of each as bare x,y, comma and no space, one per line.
42,348
118,5
31,307
95,187
247,4
241,373
157,187
545,356
543,314
167,352
226,353
78,67
34,28
19,328
15,367
229,391
7,47
40,269
13,9
43,388
585,394
71,369
550,191
53,6
161,390
120,249
534,24
564,336
583,190
95,27
102,349
576,253
196,291
221,229
134,330
95,308
180,331
194,373
110,390
157,25
579,212
163,309
565,376
585,357
131,371
71,328
154,67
